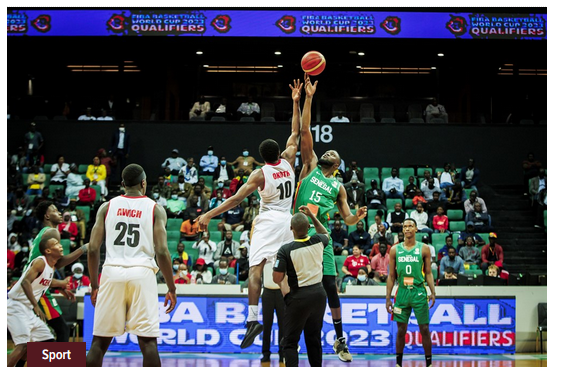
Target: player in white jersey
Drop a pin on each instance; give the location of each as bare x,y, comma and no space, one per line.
126,299
26,321
275,182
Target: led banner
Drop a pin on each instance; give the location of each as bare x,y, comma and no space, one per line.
216,324
276,23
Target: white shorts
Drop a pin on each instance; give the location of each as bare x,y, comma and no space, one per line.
127,302
24,325
270,231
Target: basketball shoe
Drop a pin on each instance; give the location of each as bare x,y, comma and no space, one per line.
253,329
341,348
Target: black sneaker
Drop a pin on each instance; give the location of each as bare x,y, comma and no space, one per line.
254,328
265,361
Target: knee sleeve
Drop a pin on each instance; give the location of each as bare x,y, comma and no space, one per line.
329,284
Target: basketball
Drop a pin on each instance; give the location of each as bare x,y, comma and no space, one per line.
313,63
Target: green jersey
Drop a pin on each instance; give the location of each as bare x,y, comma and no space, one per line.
34,252
410,265
319,193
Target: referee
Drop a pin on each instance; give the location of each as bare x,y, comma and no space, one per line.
305,303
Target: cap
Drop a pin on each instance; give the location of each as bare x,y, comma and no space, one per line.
386,225
200,261
175,150
493,235
354,179
469,223
77,265
73,165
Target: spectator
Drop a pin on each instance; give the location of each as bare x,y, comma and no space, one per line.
182,255
104,116
492,271
120,149
216,201
470,231
433,266
181,275
455,197
531,168
481,221
68,229
435,110
238,181
33,140
200,273
244,162
60,199
440,222
393,186
491,253
21,202
161,188
59,172
354,169
470,175
78,217
452,260
223,172
249,109
339,117
78,281
189,173
107,161
201,196
206,249
469,253
14,176
200,109
190,229
174,163
421,217
222,109
75,182
234,219
13,244
538,184
226,249
175,207
429,187
35,181
445,178
449,273
251,212
87,116
363,279
19,160
411,189
375,248
355,193
209,162
223,276
353,263
383,232
444,250
96,172
375,198
395,219
469,203
380,263
87,196
243,264
360,238
373,228
339,238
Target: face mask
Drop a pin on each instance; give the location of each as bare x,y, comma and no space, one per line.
25,249
78,275
220,185
222,162
223,271
184,273
362,278
246,153
175,267
210,153
155,195
174,197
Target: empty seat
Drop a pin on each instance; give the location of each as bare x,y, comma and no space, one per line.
437,120
406,172
60,118
526,122
40,118
217,119
415,111
367,120
387,120
268,119
268,109
416,120
247,119
366,111
386,110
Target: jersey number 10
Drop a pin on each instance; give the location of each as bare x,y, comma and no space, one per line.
285,190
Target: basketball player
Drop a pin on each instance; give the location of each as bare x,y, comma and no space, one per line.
26,320
126,299
320,190
414,269
270,229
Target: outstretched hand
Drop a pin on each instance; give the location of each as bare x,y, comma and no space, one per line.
310,89
296,90
203,221
362,212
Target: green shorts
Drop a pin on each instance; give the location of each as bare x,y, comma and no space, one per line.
408,299
328,263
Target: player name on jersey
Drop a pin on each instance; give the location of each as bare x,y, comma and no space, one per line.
321,184
132,213
281,174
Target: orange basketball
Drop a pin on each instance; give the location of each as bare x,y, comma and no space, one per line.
313,63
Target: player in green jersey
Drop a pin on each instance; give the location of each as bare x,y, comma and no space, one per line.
409,265
320,191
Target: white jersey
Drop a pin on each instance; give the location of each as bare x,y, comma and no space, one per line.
38,286
277,192
129,232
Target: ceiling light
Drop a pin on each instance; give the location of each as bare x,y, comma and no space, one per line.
277,52
361,54
204,66
279,66
200,52
433,67
441,55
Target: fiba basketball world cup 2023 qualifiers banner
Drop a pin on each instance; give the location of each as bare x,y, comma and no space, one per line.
216,324
276,23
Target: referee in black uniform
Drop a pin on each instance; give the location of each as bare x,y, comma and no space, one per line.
305,304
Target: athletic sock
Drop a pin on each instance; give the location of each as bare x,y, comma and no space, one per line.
338,327
252,313
399,359
428,360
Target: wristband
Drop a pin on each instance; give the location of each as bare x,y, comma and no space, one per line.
84,248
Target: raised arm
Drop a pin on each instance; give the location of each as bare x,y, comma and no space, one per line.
254,181
344,208
292,143
162,255
308,156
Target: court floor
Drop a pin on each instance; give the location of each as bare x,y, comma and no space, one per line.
134,359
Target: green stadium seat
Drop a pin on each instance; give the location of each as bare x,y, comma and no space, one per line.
82,168
25,178
47,178
405,180
420,172
468,190
86,210
371,173
192,252
174,235
419,236
53,188
172,246
385,172
485,237
457,226
391,204
545,219
66,243
96,187
408,203
174,224
236,236
207,180
473,272
213,224
455,214
339,260
406,172
47,169
439,240
231,270
215,236
409,211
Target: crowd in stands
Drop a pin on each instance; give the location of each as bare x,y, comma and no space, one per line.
445,203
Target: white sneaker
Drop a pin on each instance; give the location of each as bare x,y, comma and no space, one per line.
341,348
